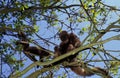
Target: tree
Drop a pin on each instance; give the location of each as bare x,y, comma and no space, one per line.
96,23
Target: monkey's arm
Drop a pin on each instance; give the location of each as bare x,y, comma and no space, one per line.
33,49
27,53
31,57
82,69
89,71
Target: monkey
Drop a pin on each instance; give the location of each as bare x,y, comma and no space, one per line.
68,43
59,50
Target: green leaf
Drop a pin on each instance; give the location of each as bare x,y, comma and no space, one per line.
84,29
26,6
36,28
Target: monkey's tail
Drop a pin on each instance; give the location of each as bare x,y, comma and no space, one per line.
89,71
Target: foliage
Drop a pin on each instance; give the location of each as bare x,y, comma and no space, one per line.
94,22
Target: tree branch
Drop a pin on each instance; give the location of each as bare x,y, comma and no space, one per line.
117,37
7,10
105,31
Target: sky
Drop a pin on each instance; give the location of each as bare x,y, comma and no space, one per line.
113,45
107,45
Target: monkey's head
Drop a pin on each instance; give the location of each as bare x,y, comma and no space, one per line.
64,36
73,36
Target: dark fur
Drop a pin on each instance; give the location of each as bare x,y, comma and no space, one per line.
32,50
68,43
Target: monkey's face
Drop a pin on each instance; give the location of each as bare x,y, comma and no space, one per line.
64,36
73,36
